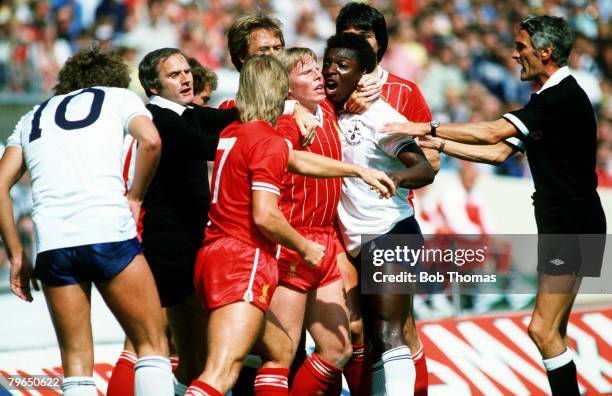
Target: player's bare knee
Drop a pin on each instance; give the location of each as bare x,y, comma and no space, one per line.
541,332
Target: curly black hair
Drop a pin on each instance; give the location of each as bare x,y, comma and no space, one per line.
356,42
91,67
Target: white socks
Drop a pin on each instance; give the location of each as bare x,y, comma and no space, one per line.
378,379
79,386
558,361
400,374
179,389
153,376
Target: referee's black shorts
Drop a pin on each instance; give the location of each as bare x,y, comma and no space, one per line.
172,266
571,235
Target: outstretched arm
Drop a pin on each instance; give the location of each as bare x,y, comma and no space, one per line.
491,132
12,167
493,154
314,165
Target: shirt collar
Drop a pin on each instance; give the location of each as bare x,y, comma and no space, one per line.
556,78
382,74
167,104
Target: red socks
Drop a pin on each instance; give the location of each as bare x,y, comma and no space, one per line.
422,376
358,371
272,382
174,360
199,388
314,377
121,382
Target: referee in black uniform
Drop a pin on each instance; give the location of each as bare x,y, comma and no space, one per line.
176,204
559,133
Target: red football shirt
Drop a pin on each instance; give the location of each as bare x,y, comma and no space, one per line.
308,201
405,97
250,156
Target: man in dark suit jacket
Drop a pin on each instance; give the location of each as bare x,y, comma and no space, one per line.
174,212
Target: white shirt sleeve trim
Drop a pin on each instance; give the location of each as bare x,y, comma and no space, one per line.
289,144
517,123
266,187
516,143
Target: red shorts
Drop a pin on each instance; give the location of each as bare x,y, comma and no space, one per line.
295,273
338,242
229,270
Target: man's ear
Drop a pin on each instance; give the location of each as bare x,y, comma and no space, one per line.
154,90
546,53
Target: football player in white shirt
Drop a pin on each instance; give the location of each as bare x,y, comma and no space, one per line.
85,229
347,58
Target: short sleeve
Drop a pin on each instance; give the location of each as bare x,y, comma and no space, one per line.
535,116
516,143
131,106
14,140
289,130
389,144
393,144
415,107
268,164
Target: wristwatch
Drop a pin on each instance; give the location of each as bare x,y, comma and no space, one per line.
433,124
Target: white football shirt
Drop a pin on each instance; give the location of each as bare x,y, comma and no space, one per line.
72,148
360,210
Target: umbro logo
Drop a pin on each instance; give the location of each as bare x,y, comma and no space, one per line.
557,262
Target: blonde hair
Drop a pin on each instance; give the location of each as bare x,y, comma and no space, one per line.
292,57
263,88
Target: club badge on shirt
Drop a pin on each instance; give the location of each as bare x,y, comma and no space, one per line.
353,135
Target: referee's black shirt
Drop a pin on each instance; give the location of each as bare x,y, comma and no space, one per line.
559,130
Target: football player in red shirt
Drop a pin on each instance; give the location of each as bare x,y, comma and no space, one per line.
236,272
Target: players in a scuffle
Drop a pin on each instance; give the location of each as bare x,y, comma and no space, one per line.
85,229
175,209
406,98
347,58
260,34
309,296
251,161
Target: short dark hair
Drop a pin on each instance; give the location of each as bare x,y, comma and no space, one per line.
91,67
239,34
202,76
364,17
549,31
148,68
356,42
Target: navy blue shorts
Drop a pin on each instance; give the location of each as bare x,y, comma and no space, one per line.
97,262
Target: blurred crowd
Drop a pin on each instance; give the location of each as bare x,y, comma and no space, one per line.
457,51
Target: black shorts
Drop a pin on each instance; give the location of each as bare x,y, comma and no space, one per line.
409,227
172,269
571,236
